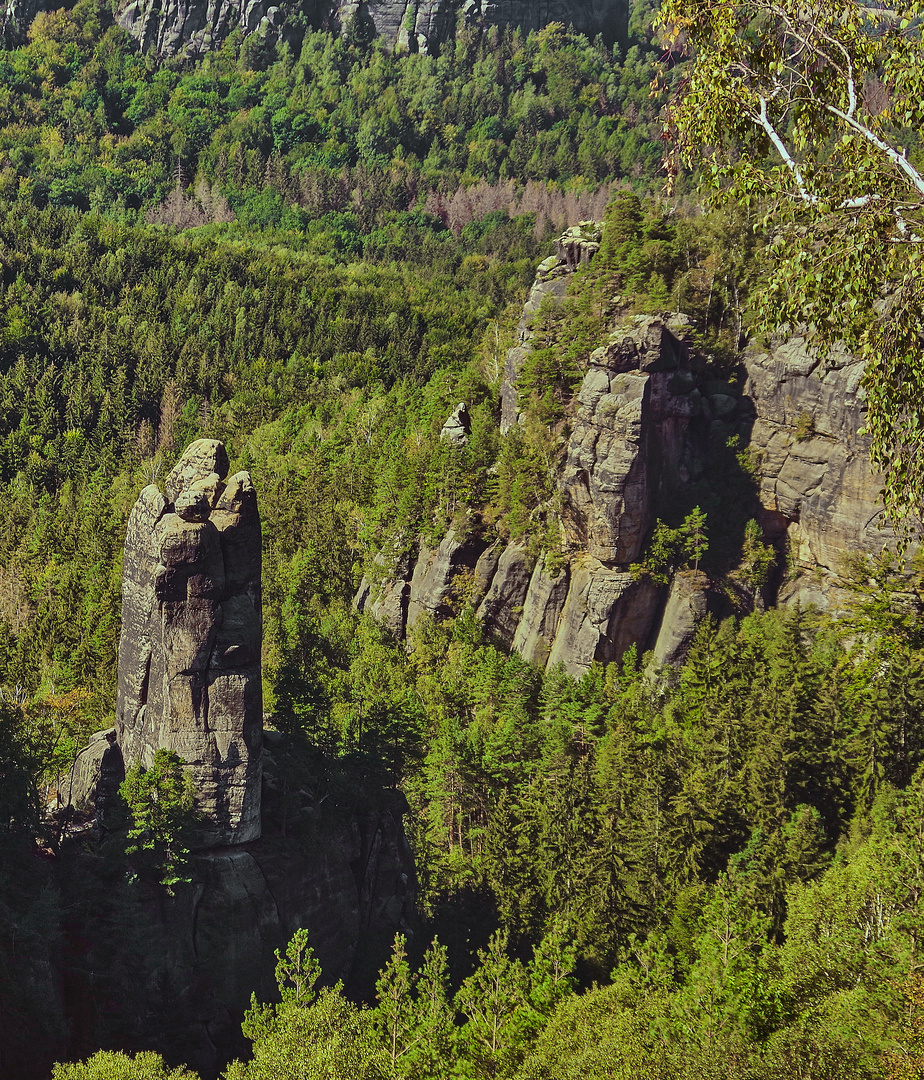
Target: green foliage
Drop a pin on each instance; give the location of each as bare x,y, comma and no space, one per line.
331,1039
109,1065
670,549
161,802
309,1033
757,558
289,137
779,98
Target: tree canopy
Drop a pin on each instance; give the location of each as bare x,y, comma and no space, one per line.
809,115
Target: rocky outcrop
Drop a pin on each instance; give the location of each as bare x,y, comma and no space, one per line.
816,484
457,427
439,584
189,653
579,244
605,612
503,605
538,626
195,26
652,429
639,411
688,603
550,287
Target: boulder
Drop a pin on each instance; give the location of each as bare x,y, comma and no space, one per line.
78,787
189,654
456,429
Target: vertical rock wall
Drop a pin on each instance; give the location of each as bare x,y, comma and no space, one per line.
167,27
646,422
189,654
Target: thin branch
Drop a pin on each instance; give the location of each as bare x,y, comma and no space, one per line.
890,152
763,119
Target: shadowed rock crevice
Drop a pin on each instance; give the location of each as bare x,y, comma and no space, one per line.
655,432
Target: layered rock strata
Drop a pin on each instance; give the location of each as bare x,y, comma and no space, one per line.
816,484
195,26
639,414
647,421
189,653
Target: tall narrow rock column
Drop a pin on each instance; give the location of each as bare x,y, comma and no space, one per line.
189,655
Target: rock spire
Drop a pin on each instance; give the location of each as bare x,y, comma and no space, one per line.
189,654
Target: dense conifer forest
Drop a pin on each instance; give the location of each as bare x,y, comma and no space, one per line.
314,253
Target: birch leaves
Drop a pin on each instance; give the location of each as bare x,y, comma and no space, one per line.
808,114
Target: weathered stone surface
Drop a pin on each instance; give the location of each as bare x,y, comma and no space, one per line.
579,244
485,569
629,440
431,591
78,786
502,607
204,459
195,26
687,605
386,600
813,465
605,612
189,654
538,627
457,427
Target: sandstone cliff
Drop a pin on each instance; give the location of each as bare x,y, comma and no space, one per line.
651,428
189,653
175,972
195,26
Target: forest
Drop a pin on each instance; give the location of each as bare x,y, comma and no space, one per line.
314,254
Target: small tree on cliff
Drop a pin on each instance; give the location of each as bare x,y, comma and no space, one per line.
161,801
833,92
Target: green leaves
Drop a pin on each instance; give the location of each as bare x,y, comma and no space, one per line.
161,802
809,87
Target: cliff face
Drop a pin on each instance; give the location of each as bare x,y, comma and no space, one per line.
648,421
166,27
816,484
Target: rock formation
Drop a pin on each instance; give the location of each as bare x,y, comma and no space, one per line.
176,974
189,654
579,244
646,421
195,26
550,286
457,428
816,484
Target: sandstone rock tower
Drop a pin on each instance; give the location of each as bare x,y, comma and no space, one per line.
189,655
